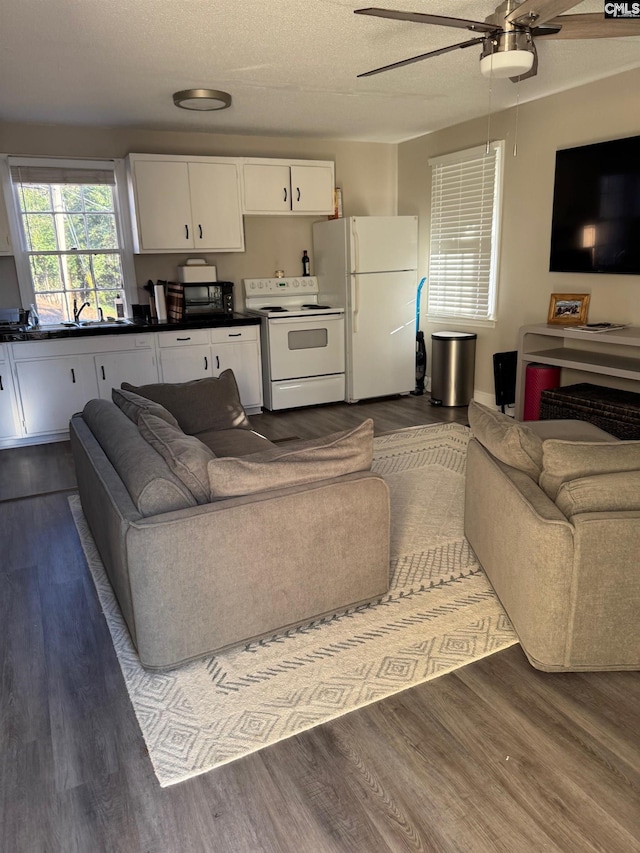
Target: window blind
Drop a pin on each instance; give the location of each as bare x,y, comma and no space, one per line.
56,175
465,208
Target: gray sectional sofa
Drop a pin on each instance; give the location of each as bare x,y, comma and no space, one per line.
210,534
552,511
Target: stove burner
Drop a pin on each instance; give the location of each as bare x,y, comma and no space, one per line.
273,308
322,307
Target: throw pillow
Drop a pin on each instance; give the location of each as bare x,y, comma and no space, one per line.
199,405
305,462
509,441
185,455
571,460
133,405
617,492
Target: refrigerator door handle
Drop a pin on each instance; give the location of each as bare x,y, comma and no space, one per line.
356,246
356,302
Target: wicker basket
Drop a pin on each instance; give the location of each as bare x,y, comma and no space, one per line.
617,412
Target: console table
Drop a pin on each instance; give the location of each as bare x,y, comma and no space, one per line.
615,353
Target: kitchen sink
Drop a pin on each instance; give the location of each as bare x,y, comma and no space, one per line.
101,324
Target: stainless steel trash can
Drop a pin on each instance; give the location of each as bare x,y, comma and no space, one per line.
453,366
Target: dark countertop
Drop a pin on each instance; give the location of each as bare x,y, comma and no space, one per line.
48,333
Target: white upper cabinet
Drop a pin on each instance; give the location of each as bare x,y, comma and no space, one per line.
288,186
180,203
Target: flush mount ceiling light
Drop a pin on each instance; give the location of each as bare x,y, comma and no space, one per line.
202,99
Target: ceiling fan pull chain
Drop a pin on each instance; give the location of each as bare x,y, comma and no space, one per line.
488,147
515,135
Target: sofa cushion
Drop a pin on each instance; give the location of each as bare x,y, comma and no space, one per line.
509,441
617,492
571,460
306,462
133,405
234,442
185,455
153,487
202,404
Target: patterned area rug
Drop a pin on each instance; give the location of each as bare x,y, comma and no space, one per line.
440,614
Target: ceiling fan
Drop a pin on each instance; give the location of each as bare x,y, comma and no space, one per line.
507,36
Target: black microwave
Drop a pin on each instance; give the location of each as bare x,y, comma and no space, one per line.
204,300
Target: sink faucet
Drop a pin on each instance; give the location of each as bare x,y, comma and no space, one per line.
78,311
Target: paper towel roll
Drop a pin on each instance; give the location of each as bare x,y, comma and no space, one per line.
161,302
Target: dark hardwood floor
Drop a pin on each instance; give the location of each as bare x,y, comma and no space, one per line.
492,757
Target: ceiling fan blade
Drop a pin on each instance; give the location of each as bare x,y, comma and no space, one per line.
592,26
532,72
420,18
536,12
422,56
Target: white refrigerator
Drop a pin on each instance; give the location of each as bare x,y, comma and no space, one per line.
368,266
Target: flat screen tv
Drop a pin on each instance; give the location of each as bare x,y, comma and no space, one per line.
596,208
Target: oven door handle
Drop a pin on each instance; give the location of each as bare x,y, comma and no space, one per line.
296,322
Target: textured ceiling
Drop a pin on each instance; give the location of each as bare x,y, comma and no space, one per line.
290,66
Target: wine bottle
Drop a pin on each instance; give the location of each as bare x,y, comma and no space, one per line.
306,264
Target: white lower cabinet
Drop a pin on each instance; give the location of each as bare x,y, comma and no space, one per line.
207,352
138,367
183,365
8,420
44,383
52,389
56,378
239,349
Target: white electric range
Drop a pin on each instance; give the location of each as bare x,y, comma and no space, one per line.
302,341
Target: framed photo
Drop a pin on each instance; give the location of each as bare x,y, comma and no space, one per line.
568,309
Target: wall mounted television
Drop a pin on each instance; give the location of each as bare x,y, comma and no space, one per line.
596,208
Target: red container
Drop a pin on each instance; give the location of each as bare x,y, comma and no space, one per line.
538,378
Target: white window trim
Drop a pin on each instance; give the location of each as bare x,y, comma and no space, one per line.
123,218
459,157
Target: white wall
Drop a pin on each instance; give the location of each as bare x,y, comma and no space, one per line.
366,172
607,109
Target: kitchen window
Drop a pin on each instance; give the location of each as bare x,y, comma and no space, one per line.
466,199
71,246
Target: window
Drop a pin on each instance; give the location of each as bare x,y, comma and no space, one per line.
465,217
71,237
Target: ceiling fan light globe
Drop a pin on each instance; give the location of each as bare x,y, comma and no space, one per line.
510,63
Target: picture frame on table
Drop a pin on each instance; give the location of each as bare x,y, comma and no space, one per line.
568,309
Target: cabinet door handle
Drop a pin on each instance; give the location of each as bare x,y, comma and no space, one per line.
73,375
217,362
200,229
206,363
183,339
298,188
234,335
1,385
284,189
186,231
102,370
